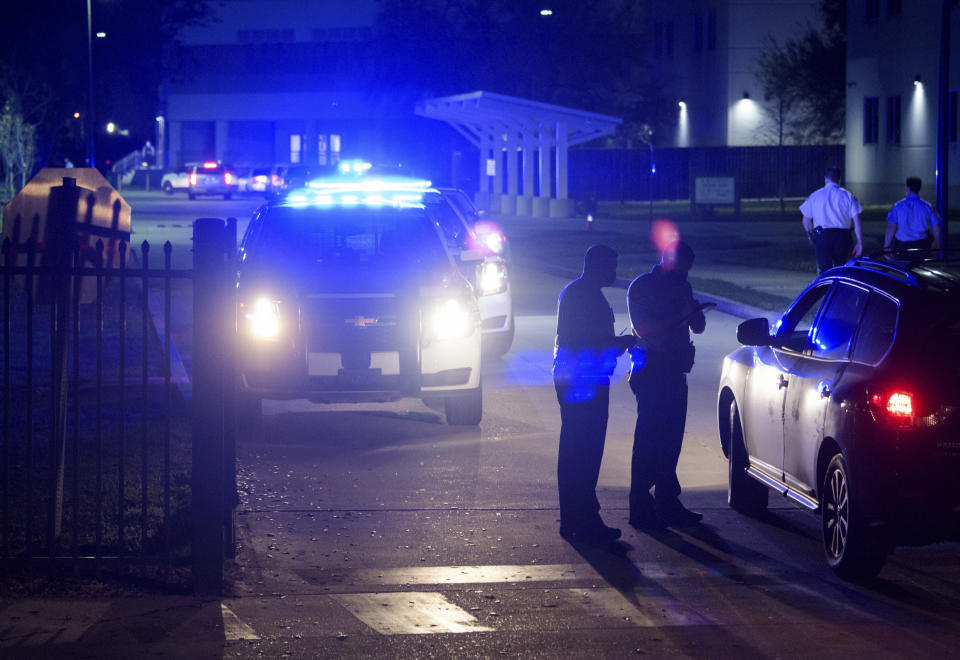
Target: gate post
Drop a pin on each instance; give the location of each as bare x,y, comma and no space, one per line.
211,307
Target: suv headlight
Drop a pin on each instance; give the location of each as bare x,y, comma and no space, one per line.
452,319
262,319
492,277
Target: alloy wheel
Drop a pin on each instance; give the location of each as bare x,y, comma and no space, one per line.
837,514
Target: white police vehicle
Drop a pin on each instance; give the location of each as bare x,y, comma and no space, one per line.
347,292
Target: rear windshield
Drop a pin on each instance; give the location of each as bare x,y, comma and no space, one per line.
350,238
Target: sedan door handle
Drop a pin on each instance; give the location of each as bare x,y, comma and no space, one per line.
782,382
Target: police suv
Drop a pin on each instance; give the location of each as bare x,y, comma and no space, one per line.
347,292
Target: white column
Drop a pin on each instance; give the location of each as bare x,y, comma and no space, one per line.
483,179
561,128
513,186
497,156
528,166
545,144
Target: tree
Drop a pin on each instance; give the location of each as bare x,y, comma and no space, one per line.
43,65
805,80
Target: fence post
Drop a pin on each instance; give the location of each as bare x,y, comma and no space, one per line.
210,383
230,500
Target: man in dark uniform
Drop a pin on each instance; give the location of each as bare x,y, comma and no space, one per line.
662,312
584,358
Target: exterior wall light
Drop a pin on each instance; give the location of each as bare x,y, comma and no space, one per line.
546,12
746,94
916,80
682,105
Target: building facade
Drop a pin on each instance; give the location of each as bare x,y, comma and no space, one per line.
893,65
283,82
704,54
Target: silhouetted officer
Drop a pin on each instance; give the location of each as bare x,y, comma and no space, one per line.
662,312
585,355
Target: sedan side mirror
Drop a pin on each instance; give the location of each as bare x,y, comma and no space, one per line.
754,332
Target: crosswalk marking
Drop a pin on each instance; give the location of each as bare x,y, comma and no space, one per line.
475,574
233,628
410,613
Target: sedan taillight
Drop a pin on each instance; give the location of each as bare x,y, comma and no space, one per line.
228,178
193,178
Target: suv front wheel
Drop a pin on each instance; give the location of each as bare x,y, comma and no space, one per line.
853,551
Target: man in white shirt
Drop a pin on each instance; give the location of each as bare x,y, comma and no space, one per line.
828,215
912,224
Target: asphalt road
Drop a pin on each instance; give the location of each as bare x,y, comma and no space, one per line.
378,530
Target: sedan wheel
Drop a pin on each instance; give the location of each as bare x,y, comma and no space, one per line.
168,188
853,551
744,494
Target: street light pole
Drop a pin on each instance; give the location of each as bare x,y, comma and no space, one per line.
91,126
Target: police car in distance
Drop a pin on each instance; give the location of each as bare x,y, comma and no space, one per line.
348,293
850,407
211,178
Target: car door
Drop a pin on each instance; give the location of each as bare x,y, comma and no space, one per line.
812,382
763,401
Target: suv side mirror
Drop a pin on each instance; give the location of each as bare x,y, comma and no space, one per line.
754,332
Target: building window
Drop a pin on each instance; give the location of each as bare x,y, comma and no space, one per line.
871,119
321,149
697,33
711,29
669,39
893,119
296,148
334,148
873,10
894,7
953,116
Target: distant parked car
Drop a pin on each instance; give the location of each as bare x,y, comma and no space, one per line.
850,407
178,180
258,181
211,178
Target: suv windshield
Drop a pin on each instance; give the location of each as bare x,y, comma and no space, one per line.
363,237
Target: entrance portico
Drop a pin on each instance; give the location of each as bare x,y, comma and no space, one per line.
526,140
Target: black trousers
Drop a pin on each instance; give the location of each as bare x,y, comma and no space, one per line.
657,439
583,430
832,248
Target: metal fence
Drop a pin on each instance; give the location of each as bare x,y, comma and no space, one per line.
95,448
667,174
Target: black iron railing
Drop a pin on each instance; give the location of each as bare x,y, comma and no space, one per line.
96,441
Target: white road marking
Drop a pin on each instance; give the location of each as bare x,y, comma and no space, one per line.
44,622
440,575
410,613
233,627
476,574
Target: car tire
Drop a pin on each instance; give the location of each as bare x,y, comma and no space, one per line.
464,409
498,344
248,418
168,188
853,551
744,494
